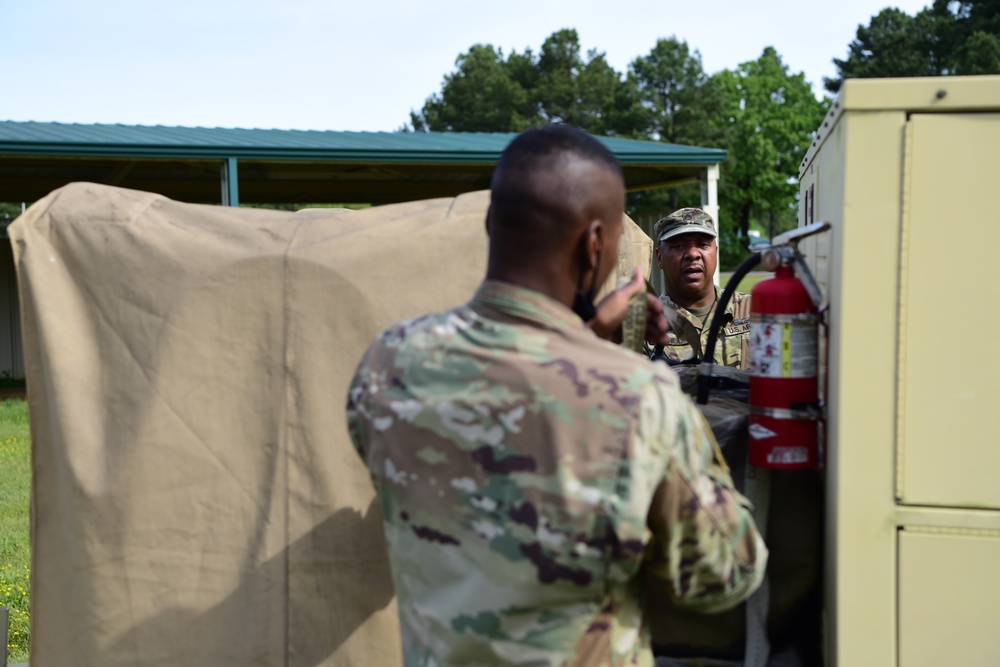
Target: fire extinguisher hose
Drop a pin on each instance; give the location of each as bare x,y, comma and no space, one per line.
718,318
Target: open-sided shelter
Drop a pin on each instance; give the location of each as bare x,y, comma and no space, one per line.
232,166
228,166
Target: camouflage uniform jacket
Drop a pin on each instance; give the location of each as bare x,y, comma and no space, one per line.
516,458
733,345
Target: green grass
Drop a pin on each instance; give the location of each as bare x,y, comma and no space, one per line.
748,281
15,547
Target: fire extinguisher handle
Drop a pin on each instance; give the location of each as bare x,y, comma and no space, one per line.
805,276
792,238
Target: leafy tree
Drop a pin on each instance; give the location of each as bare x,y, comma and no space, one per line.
893,44
763,115
484,95
678,97
573,90
771,116
491,94
598,85
950,37
625,115
8,212
969,32
558,65
979,54
677,103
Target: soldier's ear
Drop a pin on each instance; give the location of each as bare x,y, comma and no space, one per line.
486,222
594,243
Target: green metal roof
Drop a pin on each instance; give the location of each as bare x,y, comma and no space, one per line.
280,166
70,139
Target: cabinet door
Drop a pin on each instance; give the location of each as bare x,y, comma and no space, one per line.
949,598
949,320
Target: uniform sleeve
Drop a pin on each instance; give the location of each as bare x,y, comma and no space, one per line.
357,423
704,539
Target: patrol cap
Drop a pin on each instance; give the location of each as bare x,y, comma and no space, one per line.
684,221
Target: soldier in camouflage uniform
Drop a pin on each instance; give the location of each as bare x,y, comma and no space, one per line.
687,252
528,470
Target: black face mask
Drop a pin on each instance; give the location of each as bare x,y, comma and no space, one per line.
583,304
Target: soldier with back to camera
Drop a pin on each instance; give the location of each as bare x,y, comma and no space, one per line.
528,470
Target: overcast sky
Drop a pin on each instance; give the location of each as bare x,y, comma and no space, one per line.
357,65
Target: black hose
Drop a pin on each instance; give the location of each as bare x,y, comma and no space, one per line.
717,319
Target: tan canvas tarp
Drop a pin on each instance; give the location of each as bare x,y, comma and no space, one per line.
196,500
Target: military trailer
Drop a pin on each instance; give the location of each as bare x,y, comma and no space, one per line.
905,171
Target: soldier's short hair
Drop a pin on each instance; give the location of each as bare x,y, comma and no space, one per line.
532,149
531,192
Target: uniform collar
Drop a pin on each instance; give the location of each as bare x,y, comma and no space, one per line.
508,299
668,302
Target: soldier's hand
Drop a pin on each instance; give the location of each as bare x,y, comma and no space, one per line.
656,322
612,309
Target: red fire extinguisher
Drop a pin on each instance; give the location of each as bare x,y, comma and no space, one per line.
784,336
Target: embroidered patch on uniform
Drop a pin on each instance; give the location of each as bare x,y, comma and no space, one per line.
737,329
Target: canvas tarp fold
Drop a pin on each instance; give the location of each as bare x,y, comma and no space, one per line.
196,499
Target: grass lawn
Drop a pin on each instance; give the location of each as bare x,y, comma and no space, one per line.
748,281
15,548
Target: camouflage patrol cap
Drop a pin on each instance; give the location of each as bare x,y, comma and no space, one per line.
684,221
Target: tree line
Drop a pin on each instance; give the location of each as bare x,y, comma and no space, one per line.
761,112
947,37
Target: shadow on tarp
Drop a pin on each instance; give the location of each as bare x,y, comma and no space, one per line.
176,632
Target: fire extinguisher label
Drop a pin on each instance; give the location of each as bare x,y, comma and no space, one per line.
783,349
788,455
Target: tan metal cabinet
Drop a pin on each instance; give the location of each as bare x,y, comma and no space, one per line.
908,173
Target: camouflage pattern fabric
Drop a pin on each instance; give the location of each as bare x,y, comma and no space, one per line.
527,473
684,221
733,345
795,553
